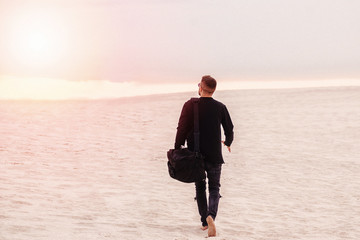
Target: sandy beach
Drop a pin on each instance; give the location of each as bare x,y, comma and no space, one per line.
97,169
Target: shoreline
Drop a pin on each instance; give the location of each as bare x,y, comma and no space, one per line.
186,93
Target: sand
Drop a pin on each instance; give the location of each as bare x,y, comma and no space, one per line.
97,169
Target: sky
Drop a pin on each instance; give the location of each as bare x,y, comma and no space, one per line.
98,48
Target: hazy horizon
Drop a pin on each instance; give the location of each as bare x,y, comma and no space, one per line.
46,89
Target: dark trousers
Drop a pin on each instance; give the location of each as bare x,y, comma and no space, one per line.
213,174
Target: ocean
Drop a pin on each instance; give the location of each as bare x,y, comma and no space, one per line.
96,169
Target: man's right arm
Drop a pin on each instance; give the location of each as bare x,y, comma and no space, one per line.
228,127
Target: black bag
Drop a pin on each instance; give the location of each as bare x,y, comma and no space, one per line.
185,165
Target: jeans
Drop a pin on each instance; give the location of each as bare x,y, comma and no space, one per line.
205,210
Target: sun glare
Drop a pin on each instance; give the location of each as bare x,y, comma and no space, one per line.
37,39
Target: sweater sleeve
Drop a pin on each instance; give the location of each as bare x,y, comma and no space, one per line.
227,126
184,125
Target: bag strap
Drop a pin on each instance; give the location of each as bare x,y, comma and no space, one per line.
196,125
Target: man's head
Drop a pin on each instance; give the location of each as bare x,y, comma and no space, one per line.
207,86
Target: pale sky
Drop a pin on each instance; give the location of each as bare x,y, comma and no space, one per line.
161,41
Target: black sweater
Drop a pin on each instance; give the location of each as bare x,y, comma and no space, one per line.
212,114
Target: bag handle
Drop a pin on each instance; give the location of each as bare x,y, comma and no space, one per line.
196,125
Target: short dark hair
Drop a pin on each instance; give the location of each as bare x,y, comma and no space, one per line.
210,83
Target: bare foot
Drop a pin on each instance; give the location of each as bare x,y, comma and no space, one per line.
212,228
204,228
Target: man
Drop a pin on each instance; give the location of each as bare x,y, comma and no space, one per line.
212,114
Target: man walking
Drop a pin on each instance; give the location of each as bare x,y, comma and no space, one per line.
212,115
